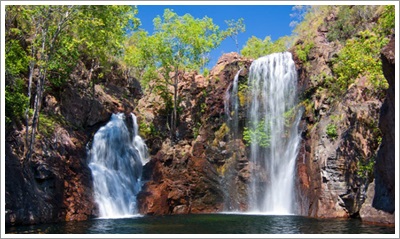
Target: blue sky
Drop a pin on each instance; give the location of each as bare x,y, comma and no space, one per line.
260,21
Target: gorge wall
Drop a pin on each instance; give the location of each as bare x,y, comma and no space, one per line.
336,169
191,175
56,184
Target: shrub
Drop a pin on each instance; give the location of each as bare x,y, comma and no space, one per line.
386,22
331,131
257,134
366,169
15,102
350,20
360,57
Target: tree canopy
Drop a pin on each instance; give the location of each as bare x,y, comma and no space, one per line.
44,43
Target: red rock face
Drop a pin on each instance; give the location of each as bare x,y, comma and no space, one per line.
187,177
180,183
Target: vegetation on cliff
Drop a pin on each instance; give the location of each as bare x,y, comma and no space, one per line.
43,46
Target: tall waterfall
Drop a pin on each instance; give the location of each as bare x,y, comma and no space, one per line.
231,106
116,160
273,125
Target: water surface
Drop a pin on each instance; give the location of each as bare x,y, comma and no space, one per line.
208,224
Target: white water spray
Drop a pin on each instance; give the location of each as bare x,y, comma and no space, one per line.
116,161
273,123
231,106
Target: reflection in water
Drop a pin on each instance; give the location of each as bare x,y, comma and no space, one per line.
208,224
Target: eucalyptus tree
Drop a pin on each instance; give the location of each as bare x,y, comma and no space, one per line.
234,28
180,42
255,47
51,38
139,58
45,27
101,31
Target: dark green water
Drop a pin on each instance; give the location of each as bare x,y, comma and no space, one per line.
209,224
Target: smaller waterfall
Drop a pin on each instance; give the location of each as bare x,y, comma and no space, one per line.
116,161
231,106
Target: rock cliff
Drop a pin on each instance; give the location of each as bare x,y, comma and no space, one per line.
188,176
380,204
341,136
56,184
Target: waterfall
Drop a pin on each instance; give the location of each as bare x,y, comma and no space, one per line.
273,120
231,106
116,160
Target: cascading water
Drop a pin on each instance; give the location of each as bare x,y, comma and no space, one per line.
231,106
116,160
273,125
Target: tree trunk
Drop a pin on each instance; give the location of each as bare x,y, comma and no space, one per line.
36,110
237,44
93,67
31,69
38,97
175,114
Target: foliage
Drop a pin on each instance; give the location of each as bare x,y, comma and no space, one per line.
46,41
16,58
366,169
139,57
305,32
196,130
15,101
360,57
349,21
386,22
47,125
147,129
303,50
258,133
313,17
256,47
206,72
180,43
234,27
289,116
331,131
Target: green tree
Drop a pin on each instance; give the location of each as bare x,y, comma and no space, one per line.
101,31
16,61
44,26
256,47
48,40
180,43
139,58
234,28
